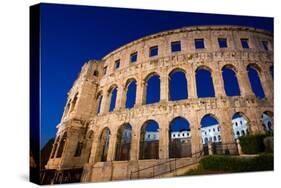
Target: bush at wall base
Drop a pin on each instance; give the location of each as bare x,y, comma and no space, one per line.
252,144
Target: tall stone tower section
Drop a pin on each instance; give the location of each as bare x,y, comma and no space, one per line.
73,136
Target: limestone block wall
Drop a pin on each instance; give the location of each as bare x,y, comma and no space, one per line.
97,78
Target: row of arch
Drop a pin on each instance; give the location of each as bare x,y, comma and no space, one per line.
179,137
149,138
178,83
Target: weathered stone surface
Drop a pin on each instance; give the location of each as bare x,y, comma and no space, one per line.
82,123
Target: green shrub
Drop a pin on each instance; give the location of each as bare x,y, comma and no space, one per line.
268,143
237,164
252,144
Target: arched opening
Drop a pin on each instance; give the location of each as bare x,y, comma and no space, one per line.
113,95
103,145
253,74
131,94
204,83
230,81
61,145
96,73
238,133
240,125
90,135
73,103
123,144
99,101
271,71
210,129
89,143
215,138
267,121
179,138
152,92
149,140
78,150
177,85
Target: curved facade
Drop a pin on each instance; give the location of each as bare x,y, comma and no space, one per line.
97,108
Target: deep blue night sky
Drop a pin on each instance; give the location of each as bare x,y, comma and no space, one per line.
71,35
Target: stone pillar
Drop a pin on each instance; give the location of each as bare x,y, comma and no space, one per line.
140,95
195,134
255,124
225,122
94,149
191,84
104,103
266,83
120,104
134,151
239,147
112,146
218,83
244,83
164,87
164,140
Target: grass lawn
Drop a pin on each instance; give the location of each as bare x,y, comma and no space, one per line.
216,164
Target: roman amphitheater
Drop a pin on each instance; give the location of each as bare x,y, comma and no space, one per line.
103,135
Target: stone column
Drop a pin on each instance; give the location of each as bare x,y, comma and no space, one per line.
164,140
244,83
164,87
104,103
140,96
227,137
134,151
94,149
255,123
195,134
266,83
218,83
239,147
120,97
112,146
225,122
191,84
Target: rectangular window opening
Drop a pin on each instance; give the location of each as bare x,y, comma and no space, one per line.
245,43
176,46
265,45
104,70
153,51
222,42
117,64
199,43
78,149
133,57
